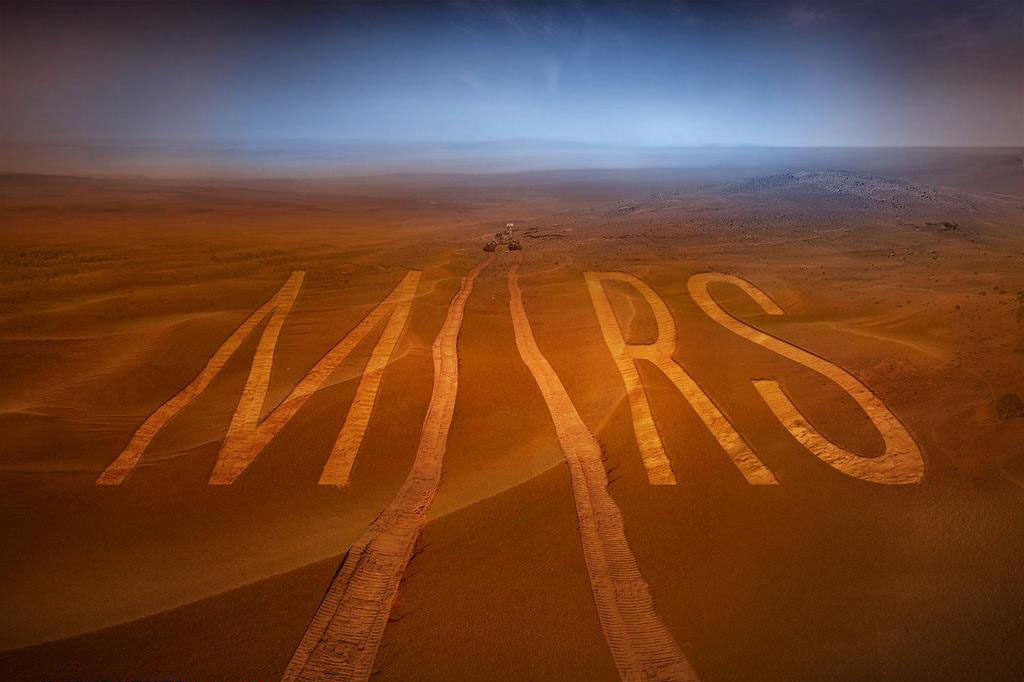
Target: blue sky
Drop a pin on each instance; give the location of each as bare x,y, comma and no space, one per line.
683,73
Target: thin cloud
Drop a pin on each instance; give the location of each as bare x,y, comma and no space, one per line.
470,79
803,15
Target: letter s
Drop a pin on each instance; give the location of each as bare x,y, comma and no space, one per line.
900,464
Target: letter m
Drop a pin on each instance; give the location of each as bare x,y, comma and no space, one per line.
247,434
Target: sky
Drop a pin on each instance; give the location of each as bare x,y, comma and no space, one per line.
740,72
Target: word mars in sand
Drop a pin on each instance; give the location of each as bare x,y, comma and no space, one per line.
513,340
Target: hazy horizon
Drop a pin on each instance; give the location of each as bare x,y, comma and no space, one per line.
779,74
322,159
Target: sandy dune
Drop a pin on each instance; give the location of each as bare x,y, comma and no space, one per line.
166,316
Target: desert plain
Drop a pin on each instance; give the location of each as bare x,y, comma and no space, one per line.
749,422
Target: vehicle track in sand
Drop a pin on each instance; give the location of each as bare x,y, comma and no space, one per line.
640,644
342,640
900,463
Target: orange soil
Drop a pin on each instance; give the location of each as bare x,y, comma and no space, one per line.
114,296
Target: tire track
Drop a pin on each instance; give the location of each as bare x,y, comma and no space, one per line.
640,644
901,463
342,640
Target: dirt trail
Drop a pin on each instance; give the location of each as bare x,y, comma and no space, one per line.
641,645
342,640
659,471
901,463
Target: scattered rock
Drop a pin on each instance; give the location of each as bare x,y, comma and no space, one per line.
1010,406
